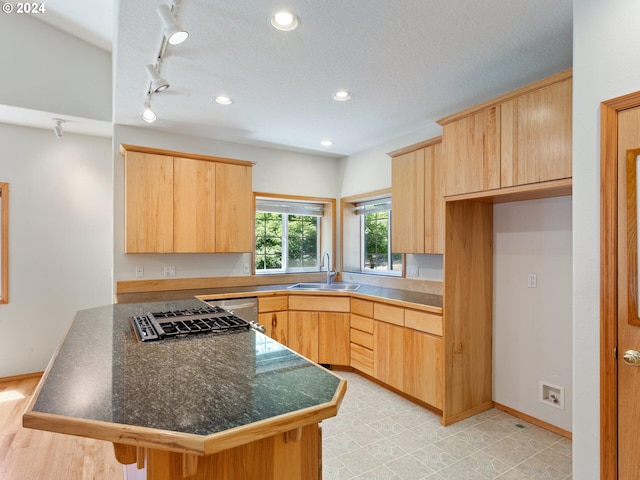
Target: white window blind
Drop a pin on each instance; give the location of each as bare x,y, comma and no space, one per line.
289,208
373,206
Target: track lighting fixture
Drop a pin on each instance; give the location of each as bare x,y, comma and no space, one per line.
174,32
158,84
57,128
148,115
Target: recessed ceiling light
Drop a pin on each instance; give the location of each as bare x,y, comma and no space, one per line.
341,96
222,100
285,21
326,143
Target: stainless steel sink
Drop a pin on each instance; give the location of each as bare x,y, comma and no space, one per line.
349,287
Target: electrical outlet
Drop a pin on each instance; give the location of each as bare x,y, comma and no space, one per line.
139,272
246,268
169,270
412,271
532,280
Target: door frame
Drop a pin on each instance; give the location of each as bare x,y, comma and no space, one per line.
609,281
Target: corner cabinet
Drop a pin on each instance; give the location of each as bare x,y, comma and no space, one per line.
183,203
318,328
417,202
521,138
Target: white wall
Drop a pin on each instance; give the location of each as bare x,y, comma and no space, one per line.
532,326
606,48
49,70
275,171
60,239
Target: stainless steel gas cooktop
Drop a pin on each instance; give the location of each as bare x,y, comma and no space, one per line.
180,323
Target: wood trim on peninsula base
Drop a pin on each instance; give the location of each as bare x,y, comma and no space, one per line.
272,458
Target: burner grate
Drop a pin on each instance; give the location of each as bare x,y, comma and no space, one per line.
182,323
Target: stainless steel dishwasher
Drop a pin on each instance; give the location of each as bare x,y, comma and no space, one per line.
244,307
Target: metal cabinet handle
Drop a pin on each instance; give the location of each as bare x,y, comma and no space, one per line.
632,357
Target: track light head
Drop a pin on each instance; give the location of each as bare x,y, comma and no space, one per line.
158,84
57,128
148,115
174,32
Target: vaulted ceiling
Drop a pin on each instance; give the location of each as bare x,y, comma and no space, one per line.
406,63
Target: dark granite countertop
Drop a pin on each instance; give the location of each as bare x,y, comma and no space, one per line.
199,385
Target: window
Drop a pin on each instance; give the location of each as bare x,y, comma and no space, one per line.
288,235
366,240
375,224
4,243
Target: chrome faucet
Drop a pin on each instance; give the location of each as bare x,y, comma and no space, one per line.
326,259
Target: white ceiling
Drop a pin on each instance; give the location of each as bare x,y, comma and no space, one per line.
407,63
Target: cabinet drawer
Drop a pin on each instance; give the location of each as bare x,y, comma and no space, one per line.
273,304
389,314
362,338
423,321
319,304
362,323
362,307
362,359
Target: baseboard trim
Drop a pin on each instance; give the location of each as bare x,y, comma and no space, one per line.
535,421
24,376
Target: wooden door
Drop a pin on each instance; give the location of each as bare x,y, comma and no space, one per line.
388,353
276,325
471,153
235,220
536,136
620,322
407,193
423,367
194,206
334,333
148,203
302,335
434,201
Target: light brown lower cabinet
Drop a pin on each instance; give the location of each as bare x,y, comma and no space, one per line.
319,328
333,338
276,325
303,334
272,314
423,367
388,354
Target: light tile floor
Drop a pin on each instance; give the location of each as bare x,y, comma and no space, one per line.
380,435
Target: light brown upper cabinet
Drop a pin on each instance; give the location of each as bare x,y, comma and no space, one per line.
416,198
183,203
521,138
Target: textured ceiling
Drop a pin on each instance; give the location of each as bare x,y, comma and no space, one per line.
407,63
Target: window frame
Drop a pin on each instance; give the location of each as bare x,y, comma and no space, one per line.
325,228
4,243
353,242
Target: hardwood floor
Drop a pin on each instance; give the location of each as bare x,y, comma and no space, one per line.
27,454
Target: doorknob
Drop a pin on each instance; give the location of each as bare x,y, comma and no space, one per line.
632,357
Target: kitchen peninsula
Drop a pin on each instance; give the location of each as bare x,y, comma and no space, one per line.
226,407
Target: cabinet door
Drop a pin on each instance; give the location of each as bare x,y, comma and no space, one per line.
235,220
471,153
276,325
334,338
536,136
194,206
423,367
388,356
302,334
407,193
434,208
148,203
